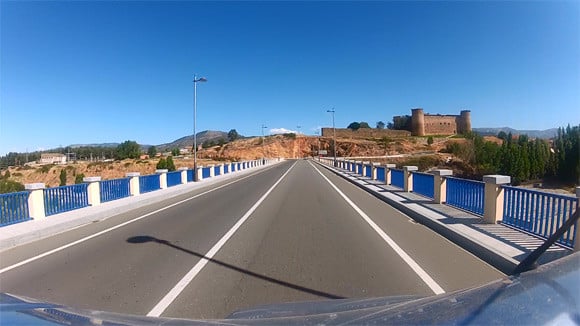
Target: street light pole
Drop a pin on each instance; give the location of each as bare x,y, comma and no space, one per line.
263,150
333,135
317,133
195,81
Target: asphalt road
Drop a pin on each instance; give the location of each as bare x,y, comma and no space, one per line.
291,232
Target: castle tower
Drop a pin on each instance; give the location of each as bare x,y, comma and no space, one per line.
418,122
465,122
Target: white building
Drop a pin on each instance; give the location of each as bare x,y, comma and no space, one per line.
52,158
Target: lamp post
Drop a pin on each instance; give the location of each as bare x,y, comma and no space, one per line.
317,133
263,150
333,135
195,81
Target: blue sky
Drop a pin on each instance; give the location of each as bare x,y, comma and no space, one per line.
92,72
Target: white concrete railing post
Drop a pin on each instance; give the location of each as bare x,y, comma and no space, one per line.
36,200
93,190
212,171
183,174
134,183
493,197
440,185
408,177
221,168
577,239
388,169
198,173
162,178
373,171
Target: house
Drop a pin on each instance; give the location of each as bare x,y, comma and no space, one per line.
52,158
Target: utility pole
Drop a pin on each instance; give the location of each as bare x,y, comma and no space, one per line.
333,135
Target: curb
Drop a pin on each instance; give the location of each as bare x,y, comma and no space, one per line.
504,264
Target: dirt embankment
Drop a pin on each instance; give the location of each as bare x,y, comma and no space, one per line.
286,146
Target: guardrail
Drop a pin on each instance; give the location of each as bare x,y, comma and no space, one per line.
368,171
65,198
539,213
189,175
381,173
535,212
173,178
397,178
14,208
149,183
423,184
114,189
205,172
466,194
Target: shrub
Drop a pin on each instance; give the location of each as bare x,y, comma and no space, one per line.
7,186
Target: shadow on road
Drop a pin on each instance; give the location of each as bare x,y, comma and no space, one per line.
146,238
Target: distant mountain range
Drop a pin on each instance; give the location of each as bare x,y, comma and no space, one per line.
182,142
548,133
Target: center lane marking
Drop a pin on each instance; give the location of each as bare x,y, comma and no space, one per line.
410,261
184,282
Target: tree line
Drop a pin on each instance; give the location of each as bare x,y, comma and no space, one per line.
525,159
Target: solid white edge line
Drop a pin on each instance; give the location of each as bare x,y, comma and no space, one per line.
50,252
410,261
187,278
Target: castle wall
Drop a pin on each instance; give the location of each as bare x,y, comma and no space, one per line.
365,133
441,124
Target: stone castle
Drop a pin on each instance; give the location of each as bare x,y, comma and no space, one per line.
436,124
417,124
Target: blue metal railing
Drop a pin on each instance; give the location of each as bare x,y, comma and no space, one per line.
381,173
239,167
114,189
65,198
423,184
368,171
397,178
539,213
216,170
149,183
226,168
14,208
189,175
173,178
205,172
465,194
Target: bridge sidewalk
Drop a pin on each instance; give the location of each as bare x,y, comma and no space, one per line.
499,245
29,231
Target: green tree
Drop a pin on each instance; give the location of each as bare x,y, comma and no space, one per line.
363,124
79,178
162,164
128,149
233,135
380,125
170,164
62,177
430,140
152,151
7,186
502,135
354,126
175,152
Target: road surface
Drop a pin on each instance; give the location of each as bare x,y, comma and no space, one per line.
291,232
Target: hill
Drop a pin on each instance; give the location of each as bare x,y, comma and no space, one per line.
544,134
187,141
